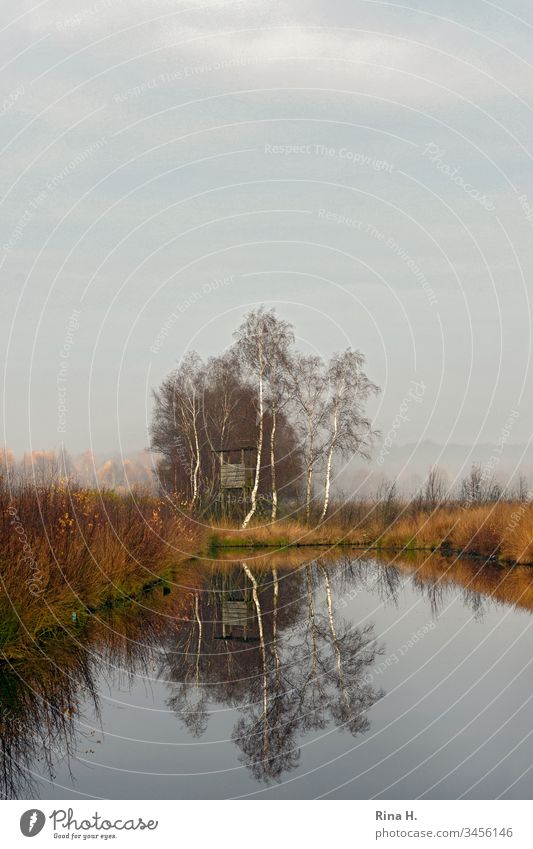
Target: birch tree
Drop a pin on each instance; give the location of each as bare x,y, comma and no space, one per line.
200,408
176,425
309,392
281,339
191,399
349,433
259,342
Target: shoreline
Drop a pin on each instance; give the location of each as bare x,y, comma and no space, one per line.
406,549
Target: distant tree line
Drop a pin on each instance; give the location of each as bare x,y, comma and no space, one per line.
476,488
298,412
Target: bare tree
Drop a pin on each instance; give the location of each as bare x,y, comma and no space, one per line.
44,467
521,490
348,431
478,487
279,392
388,502
434,489
222,408
175,426
309,391
261,343
199,408
295,410
472,485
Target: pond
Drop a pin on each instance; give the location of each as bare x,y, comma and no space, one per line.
285,676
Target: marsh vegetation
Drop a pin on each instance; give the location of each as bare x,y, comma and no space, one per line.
66,552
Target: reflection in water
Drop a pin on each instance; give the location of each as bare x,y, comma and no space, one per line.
258,643
264,637
40,694
479,583
39,701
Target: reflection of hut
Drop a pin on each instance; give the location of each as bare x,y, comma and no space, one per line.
236,618
236,473
237,612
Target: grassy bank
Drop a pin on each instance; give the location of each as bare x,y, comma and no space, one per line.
501,529
67,552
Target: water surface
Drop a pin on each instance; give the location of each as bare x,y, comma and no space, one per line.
296,676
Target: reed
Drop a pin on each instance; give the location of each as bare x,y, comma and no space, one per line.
65,552
503,530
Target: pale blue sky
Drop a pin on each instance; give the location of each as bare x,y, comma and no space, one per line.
151,148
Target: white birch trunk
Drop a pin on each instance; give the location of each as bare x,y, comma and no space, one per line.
328,467
199,649
334,633
255,489
310,467
275,619
309,479
262,646
273,466
197,464
312,620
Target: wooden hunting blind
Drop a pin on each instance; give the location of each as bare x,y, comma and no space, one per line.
236,475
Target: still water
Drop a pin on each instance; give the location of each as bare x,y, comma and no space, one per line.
285,677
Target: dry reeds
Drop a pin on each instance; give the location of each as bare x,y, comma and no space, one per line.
494,529
66,551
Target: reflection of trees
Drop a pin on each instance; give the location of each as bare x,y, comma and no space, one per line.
294,668
190,700
387,582
40,694
481,583
39,700
268,642
372,575
265,642
218,651
434,578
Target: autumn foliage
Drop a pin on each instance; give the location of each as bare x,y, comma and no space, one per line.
67,551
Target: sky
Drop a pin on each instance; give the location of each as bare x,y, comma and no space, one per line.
363,167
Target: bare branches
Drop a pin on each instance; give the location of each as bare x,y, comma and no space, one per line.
300,413
262,343
349,433
309,391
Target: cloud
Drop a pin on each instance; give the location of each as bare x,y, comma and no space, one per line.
334,73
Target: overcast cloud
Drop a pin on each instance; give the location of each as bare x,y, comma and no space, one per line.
365,167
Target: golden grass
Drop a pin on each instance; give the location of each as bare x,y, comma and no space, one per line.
284,533
500,529
64,553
